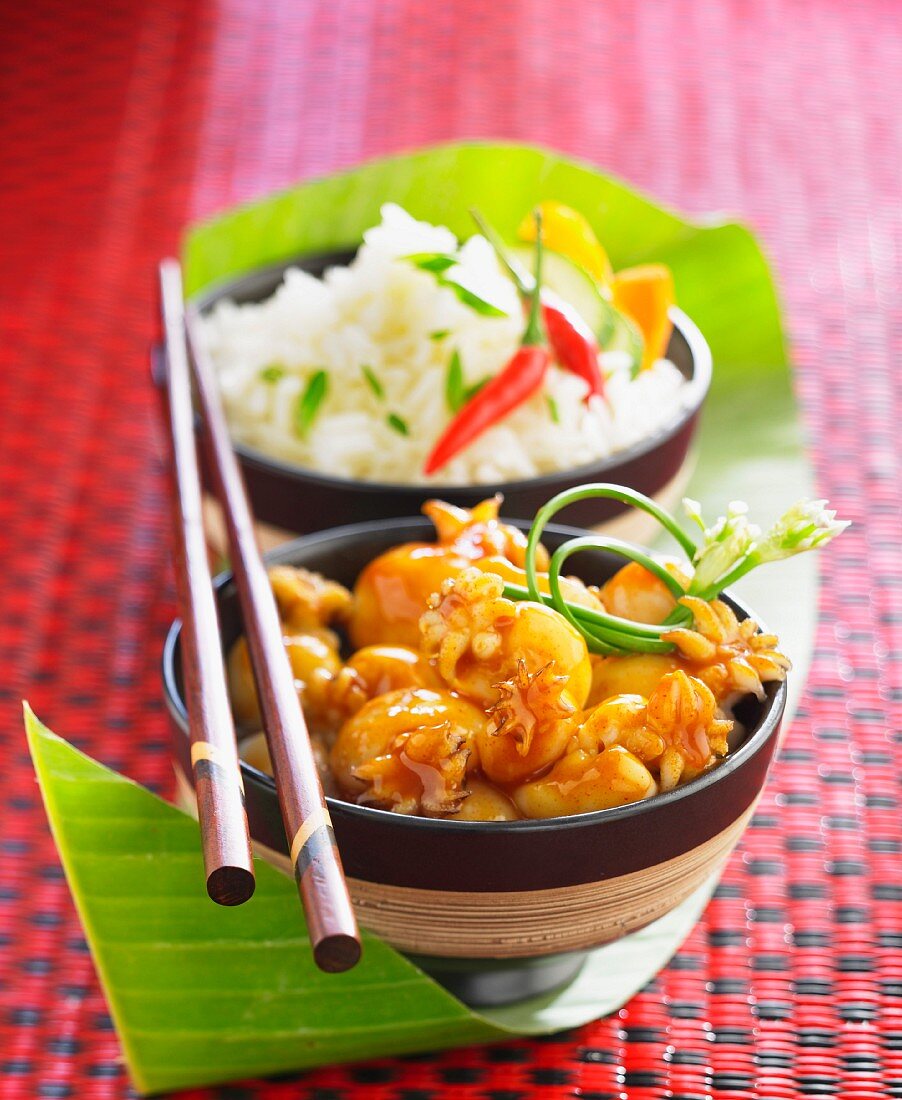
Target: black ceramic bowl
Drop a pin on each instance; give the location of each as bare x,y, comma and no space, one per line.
461,891
299,500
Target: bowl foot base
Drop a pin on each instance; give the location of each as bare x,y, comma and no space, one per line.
490,983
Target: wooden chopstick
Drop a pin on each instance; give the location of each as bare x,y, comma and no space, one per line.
314,856
228,860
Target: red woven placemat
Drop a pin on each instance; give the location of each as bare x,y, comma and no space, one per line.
123,120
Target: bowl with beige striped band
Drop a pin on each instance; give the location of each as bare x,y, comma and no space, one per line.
501,910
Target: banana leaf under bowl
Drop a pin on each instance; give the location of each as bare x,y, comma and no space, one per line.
296,500
499,911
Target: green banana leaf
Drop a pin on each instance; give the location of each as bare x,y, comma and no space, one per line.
722,279
202,994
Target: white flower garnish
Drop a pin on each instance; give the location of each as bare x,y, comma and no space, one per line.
693,511
724,545
733,547
807,525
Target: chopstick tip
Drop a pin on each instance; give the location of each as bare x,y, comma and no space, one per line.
337,953
230,885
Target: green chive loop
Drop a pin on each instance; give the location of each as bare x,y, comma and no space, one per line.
605,634
593,615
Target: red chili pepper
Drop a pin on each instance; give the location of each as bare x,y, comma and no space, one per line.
573,343
572,340
519,380
514,384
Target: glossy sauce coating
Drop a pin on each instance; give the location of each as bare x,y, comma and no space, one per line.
458,702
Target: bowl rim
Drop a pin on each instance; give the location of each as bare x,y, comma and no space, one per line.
694,396
774,706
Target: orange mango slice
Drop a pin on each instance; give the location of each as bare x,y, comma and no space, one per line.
645,293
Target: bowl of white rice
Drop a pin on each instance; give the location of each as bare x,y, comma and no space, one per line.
338,373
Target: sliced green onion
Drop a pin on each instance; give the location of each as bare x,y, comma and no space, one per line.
553,411
455,391
435,262
373,382
309,402
468,298
272,373
397,424
438,264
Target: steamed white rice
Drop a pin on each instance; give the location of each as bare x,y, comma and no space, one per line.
384,314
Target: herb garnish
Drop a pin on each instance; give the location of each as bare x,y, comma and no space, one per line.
456,393
439,334
728,550
517,381
272,373
309,402
373,382
397,424
438,264
553,410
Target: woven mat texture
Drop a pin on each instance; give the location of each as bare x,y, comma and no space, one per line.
123,120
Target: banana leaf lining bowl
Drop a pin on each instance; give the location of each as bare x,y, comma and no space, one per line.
295,499
501,910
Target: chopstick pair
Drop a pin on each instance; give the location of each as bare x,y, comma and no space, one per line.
228,861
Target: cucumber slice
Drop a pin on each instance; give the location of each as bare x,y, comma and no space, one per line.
613,329
625,336
570,282
609,325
